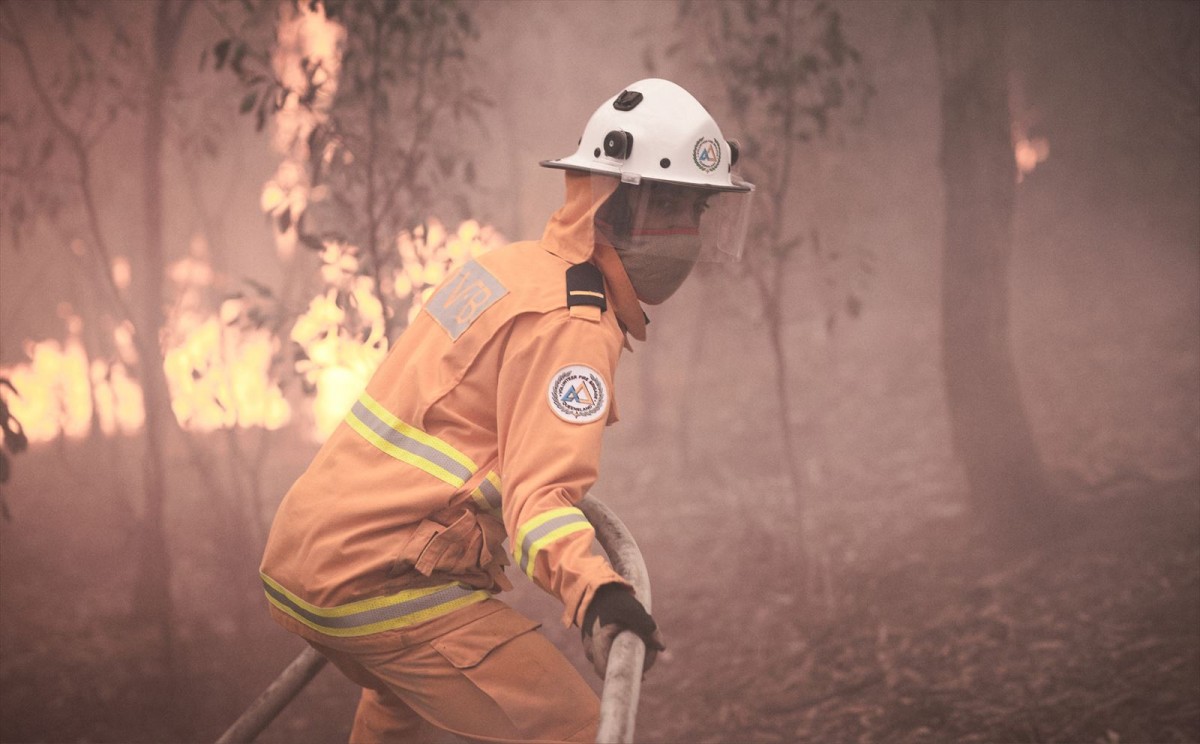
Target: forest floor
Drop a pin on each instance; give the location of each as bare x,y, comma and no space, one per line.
933,633
949,637
917,626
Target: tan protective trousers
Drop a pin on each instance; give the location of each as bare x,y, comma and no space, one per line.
482,672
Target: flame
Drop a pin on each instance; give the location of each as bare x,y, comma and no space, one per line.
343,333
340,356
219,378
53,396
428,254
219,373
306,43
117,398
50,402
1030,153
121,272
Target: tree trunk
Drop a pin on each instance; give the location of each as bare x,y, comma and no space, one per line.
990,432
152,594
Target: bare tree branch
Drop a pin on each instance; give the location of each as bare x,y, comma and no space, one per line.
81,152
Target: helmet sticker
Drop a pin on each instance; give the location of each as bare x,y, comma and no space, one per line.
577,394
707,154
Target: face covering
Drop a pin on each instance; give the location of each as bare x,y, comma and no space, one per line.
657,264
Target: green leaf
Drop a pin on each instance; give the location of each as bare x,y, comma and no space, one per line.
221,51
239,55
248,102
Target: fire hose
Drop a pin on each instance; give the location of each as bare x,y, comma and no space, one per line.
622,682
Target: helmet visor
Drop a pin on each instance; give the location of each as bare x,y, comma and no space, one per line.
679,222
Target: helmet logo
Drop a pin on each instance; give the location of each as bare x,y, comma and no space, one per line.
707,154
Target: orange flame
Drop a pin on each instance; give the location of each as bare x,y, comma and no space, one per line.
304,36
342,352
1030,153
219,374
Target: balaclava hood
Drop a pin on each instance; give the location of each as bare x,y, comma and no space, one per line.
571,235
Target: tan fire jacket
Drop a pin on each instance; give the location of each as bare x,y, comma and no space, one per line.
483,423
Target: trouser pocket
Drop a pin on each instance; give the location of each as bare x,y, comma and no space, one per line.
524,674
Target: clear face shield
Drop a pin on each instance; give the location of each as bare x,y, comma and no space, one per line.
662,230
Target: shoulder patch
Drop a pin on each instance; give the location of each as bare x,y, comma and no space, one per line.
577,394
464,297
585,286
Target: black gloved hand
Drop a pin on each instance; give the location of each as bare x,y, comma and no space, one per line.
614,609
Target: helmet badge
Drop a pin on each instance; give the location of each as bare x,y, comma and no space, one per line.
707,154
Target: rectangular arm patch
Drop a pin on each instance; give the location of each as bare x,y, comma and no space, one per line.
464,297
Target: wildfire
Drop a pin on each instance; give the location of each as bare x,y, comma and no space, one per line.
307,51
61,393
428,254
219,378
52,400
219,373
222,367
343,333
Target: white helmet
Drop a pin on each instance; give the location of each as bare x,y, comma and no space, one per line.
657,131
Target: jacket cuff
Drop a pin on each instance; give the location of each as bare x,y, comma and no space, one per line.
574,612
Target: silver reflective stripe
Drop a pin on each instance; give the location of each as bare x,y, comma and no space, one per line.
490,494
377,615
408,444
541,531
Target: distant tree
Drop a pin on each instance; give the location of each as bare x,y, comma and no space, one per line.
791,78
102,66
990,431
1162,40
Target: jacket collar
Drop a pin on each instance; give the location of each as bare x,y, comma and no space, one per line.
571,235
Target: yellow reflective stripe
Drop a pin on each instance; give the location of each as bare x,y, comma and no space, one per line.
415,433
557,534
367,616
586,292
409,444
538,521
487,493
543,529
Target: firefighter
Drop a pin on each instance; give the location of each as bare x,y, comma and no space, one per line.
483,424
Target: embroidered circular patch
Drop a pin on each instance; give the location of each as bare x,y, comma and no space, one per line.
577,394
707,154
